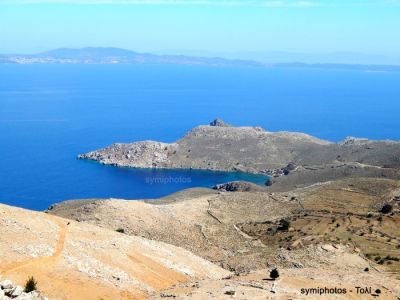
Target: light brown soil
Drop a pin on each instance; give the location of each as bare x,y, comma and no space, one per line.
231,229
79,261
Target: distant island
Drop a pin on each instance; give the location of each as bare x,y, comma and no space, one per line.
110,55
100,55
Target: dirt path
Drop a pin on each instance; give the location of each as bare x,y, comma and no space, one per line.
45,260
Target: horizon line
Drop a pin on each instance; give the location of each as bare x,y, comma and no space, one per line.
242,59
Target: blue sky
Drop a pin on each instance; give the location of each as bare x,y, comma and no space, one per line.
203,26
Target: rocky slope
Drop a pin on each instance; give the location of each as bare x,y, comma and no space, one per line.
72,260
214,147
219,146
330,219
316,236
304,176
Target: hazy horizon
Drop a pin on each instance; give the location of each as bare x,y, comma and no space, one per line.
266,56
314,31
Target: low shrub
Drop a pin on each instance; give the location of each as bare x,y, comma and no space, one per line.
30,285
274,273
283,225
386,208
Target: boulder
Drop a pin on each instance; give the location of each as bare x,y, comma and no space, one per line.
238,186
17,291
6,284
269,182
219,123
386,208
290,167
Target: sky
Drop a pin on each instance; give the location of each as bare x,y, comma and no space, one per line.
203,26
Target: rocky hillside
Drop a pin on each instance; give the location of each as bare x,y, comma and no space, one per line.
219,146
328,219
316,236
72,260
341,234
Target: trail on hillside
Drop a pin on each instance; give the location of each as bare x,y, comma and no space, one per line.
44,260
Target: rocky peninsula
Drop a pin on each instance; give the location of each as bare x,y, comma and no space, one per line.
222,147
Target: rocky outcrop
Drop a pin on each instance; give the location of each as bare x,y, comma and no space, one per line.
281,171
146,154
238,186
350,140
8,291
219,123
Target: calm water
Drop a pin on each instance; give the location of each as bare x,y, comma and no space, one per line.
50,113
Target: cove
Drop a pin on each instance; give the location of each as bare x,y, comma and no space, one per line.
94,180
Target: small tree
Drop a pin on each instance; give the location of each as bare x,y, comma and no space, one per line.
120,230
283,225
386,209
274,274
30,285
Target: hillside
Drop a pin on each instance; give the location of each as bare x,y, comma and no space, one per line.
335,230
255,150
72,260
80,251
330,219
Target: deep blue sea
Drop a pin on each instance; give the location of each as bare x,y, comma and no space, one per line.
51,113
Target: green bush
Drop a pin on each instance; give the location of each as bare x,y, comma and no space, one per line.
283,225
386,209
30,285
274,274
120,230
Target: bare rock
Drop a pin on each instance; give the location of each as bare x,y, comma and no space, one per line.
219,123
17,291
6,284
238,186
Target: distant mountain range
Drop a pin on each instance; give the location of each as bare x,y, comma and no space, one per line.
101,55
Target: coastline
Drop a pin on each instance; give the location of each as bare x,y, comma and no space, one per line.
287,159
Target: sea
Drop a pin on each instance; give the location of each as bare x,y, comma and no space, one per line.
51,113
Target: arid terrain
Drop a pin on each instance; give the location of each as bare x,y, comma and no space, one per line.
219,146
315,235
328,222
72,260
